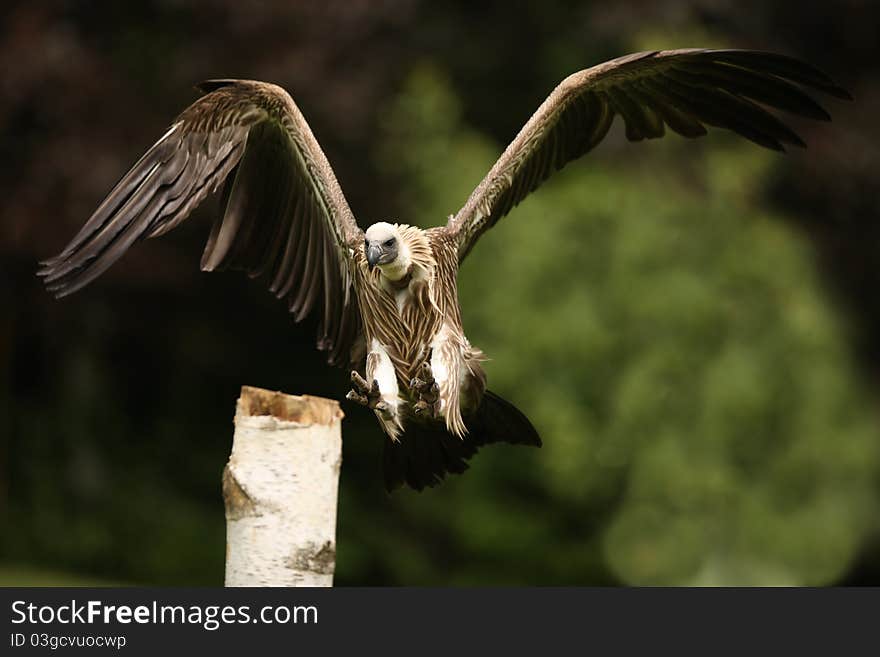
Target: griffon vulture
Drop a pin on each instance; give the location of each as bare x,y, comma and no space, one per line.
386,299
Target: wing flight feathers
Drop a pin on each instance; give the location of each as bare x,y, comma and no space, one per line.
285,218
684,90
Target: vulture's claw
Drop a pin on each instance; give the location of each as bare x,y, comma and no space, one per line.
366,394
428,392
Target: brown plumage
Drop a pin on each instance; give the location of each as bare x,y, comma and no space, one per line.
387,299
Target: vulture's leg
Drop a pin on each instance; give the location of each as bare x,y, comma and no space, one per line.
382,393
428,391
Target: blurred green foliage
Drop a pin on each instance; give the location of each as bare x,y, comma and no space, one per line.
702,420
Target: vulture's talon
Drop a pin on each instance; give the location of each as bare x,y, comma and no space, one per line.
359,383
366,394
427,393
425,386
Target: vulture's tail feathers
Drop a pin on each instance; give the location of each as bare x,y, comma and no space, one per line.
499,421
426,453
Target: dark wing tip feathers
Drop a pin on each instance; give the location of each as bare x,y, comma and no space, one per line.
784,66
724,88
158,191
733,88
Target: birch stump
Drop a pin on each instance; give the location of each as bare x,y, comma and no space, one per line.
280,488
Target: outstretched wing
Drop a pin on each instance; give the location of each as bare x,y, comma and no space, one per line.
285,218
683,89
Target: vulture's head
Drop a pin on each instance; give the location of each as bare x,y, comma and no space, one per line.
384,248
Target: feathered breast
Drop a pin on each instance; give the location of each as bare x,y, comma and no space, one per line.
407,329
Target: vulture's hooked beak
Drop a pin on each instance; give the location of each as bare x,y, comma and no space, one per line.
374,253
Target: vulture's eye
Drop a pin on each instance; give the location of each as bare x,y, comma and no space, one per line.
389,242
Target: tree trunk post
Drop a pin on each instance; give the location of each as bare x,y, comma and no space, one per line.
280,489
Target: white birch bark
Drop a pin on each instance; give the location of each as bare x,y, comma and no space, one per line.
280,489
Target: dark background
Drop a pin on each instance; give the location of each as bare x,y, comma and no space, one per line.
692,326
